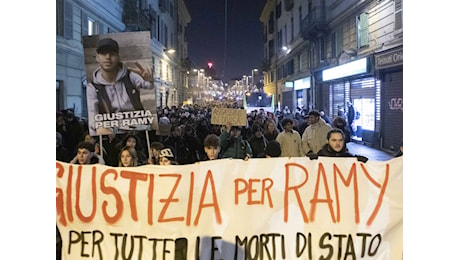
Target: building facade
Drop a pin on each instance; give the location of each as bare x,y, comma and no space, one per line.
165,19
322,53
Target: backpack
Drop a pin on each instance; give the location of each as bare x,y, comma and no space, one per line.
104,105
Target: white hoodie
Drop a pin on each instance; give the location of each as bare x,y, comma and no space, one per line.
116,92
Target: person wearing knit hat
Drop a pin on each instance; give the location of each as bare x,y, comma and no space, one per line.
167,156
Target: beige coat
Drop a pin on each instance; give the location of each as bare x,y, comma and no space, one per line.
291,144
315,136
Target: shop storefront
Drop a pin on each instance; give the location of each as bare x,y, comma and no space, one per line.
389,68
297,93
353,81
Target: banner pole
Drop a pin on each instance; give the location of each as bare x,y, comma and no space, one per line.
148,143
101,148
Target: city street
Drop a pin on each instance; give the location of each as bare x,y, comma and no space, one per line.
369,152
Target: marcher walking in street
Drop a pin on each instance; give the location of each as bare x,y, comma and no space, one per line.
336,147
314,136
233,144
258,142
340,123
289,140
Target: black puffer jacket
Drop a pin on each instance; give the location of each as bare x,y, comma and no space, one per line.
326,150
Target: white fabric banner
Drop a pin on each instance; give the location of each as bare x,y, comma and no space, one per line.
277,208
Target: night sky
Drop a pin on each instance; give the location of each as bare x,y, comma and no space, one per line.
234,53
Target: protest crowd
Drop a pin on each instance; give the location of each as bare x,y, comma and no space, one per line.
192,138
266,134
189,126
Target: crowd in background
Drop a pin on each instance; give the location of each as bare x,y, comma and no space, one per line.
189,127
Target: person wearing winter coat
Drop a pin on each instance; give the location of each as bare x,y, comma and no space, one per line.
62,153
339,122
184,151
233,145
315,135
336,147
271,132
258,142
289,140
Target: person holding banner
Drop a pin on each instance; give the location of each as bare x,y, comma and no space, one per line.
114,88
336,147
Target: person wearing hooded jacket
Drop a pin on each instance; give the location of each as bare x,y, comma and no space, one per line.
233,145
315,135
108,91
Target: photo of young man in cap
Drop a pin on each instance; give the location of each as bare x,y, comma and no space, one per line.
114,87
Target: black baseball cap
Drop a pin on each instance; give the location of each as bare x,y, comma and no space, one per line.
107,44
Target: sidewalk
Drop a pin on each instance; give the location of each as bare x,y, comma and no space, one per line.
371,153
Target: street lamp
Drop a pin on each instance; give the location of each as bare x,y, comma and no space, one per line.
169,50
252,74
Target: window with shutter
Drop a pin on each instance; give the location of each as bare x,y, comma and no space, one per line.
398,15
280,39
362,30
68,20
322,49
60,17
337,42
